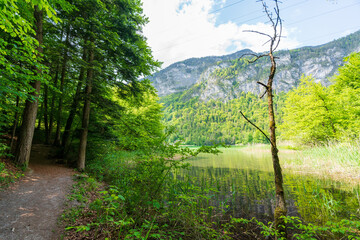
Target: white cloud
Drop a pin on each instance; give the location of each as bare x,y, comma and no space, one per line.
177,34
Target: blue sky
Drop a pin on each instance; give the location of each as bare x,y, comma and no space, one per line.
181,29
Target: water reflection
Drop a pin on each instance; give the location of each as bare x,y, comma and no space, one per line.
244,182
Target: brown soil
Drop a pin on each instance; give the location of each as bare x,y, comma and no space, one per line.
29,209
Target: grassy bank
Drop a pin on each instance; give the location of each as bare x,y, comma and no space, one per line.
336,161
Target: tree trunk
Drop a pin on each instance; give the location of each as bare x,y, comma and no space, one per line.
54,94
57,141
52,105
46,120
29,116
280,208
86,111
16,120
39,118
74,105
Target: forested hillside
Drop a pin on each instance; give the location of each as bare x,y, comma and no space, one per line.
213,122
208,111
310,113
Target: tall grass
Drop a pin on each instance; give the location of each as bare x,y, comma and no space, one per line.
344,154
338,161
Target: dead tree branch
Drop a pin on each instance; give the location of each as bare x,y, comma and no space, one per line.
266,136
261,33
256,57
263,94
262,84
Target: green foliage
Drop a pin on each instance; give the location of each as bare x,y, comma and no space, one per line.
316,114
344,229
144,200
139,125
309,112
19,57
199,123
231,72
7,176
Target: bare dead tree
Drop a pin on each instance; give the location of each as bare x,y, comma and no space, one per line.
274,41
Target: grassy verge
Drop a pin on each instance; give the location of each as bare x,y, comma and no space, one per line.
336,161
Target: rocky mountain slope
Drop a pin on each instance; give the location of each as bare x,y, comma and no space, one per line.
225,77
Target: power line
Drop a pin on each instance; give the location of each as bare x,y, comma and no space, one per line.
329,34
215,11
227,6
322,14
202,36
308,40
251,13
306,19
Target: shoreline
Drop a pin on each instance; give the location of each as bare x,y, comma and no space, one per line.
328,162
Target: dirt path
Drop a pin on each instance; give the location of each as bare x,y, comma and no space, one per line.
29,209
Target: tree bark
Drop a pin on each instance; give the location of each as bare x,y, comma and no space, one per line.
86,111
39,118
52,105
57,141
23,149
73,108
16,120
280,207
54,94
46,120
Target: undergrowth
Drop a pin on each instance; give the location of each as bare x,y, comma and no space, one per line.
9,173
142,199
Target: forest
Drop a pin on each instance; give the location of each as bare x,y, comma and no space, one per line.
309,114
73,81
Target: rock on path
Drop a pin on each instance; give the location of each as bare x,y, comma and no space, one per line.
29,209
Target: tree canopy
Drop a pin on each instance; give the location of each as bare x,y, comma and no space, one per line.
78,55
314,113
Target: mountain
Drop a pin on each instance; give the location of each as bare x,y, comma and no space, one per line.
226,77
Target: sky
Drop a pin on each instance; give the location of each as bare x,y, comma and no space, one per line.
182,29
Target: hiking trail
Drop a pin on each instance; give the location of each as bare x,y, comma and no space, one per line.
29,209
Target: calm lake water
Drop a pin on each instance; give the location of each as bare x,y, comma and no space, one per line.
243,180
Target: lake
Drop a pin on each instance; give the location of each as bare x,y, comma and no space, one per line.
243,183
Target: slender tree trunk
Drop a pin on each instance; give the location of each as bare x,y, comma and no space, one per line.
73,108
46,120
54,95
39,118
280,208
57,141
29,116
86,111
16,120
52,105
